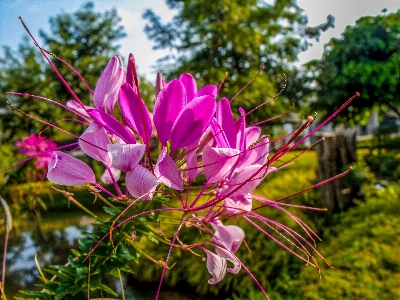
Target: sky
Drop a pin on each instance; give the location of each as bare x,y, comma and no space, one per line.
36,14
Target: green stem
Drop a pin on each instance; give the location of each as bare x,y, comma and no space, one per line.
70,197
93,191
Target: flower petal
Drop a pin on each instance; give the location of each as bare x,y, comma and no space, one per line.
167,171
94,143
191,160
218,134
244,176
250,136
225,117
217,162
130,72
238,204
211,90
77,107
231,236
256,154
135,112
112,125
229,256
216,266
106,177
170,101
67,170
115,85
125,157
190,85
192,122
105,87
160,84
141,183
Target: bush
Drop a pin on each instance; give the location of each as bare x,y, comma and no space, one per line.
363,249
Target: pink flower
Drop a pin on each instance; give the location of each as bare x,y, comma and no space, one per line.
39,147
67,170
181,114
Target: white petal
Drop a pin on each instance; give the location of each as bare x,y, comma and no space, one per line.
216,266
67,170
125,157
106,177
94,143
167,171
141,183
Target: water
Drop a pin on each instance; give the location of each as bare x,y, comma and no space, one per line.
51,240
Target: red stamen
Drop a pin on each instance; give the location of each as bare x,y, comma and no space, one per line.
313,186
52,65
271,99
247,84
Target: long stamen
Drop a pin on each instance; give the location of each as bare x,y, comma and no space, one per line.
52,125
70,67
169,255
271,99
313,186
51,101
247,84
222,82
309,121
52,65
344,105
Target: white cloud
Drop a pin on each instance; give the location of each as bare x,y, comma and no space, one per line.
131,20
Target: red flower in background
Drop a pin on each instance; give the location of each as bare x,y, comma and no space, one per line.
39,147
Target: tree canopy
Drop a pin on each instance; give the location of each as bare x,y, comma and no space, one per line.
209,38
85,39
366,59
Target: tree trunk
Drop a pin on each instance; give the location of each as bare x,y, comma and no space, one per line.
335,154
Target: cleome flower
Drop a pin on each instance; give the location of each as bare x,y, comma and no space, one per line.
200,144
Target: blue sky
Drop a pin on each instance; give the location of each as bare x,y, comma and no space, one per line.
36,14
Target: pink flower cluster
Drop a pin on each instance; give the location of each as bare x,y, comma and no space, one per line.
199,140
37,146
198,136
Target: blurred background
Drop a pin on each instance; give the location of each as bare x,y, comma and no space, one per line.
321,53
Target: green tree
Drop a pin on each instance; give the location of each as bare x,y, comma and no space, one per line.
209,38
366,59
21,71
85,39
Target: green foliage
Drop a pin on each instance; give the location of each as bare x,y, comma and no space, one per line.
209,38
85,39
21,71
362,248
383,156
114,255
385,165
365,60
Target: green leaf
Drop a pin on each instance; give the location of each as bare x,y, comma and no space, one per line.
95,284
113,211
36,295
75,252
66,289
60,275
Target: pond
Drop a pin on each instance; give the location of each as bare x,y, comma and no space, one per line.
51,239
